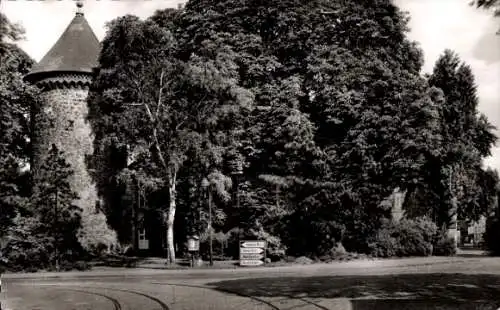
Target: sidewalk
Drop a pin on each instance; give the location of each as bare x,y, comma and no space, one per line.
161,269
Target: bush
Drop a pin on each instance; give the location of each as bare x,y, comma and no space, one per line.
220,245
385,245
275,248
312,234
404,238
303,260
445,246
81,266
338,252
29,248
26,249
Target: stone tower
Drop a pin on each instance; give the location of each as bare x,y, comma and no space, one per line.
64,75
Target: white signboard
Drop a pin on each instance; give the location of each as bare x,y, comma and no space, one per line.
193,245
253,244
251,262
251,250
143,244
251,256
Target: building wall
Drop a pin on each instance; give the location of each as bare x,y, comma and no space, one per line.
61,120
395,203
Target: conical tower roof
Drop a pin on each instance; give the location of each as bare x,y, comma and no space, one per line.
76,51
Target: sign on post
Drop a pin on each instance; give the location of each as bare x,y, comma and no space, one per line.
143,242
193,244
252,253
251,250
253,244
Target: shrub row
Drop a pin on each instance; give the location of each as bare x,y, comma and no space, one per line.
411,237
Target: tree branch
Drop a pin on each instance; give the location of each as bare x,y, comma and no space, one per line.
160,92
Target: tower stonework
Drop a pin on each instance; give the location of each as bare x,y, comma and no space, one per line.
61,120
64,76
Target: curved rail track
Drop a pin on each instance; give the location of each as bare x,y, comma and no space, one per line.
116,303
164,306
228,291
158,301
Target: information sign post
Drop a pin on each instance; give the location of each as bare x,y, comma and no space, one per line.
252,252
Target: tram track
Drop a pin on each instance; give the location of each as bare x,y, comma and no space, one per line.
228,291
116,303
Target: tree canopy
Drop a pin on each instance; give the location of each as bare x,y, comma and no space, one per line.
322,103
16,98
292,121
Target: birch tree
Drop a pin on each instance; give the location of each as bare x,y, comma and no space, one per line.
164,108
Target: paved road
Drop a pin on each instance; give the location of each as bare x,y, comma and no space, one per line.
424,283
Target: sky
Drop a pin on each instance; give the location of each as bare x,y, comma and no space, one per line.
435,24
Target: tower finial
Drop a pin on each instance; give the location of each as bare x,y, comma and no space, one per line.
79,10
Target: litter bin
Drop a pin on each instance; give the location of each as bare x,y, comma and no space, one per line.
193,248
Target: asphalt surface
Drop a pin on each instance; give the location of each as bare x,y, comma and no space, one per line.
425,283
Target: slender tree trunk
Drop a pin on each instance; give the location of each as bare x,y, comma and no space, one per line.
170,219
135,208
452,224
210,227
453,209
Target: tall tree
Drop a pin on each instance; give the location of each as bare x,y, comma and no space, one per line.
15,100
52,203
161,107
9,33
47,231
467,138
274,141
336,113
340,76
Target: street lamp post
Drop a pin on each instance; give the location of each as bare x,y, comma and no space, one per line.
210,227
236,174
206,185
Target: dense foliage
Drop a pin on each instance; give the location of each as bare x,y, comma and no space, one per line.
405,238
36,217
329,113
48,233
290,121
455,184
15,100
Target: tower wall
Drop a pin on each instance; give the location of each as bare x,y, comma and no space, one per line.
64,75
61,120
